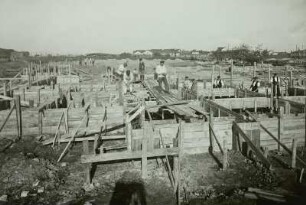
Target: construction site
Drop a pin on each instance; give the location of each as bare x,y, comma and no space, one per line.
69,134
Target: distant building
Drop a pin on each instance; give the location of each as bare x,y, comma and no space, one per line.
298,54
143,53
18,55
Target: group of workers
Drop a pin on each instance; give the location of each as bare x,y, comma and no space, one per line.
127,78
275,81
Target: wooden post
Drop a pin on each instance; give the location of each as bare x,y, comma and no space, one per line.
40,123
204,84
271,98
305,123
178,167
38,96
128,130
254,70
23,94
4,89
211,123
280,129
120,93
225,161
212,76
11,88
293,161
269,74
18,116
232,68
144,160
291,79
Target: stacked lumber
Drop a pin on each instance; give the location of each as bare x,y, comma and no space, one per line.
163,97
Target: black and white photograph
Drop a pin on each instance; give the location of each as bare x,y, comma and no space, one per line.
152,102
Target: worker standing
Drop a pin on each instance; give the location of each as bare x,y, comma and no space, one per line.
122,68
141,69
135,74
255,85
127,82
218,82
187,85
275,84
161,72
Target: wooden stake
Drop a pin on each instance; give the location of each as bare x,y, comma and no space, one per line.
38,96
18,116
293,159
211,122
40,123
144,160
232,68
225,160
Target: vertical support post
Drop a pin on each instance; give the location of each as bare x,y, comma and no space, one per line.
38,97
225,160
18,116
23,94
178,167
142,116
291,79
4,89
211,123
40,123
11,88
254,70
269,73
305,122
128,130
293,161
204,84
144,160
280,127
232,68
212,76
120,93
271,97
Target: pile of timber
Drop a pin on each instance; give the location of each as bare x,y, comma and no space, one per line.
163,98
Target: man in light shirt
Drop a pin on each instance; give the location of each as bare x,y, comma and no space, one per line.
128,82
122,68
275,80
161,72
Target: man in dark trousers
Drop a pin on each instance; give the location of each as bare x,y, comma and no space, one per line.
275,80
161,72
255,85
141,69
218,82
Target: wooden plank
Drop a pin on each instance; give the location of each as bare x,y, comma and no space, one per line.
7,117
254,148
128,155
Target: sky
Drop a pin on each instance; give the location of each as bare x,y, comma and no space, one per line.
115,26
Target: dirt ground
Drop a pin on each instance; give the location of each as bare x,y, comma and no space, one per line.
29,166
